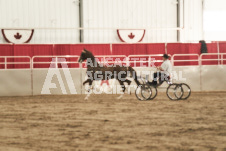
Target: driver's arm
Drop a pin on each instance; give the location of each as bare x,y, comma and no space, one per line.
163,67
160,68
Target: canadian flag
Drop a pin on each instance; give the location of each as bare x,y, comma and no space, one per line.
131,35
17,36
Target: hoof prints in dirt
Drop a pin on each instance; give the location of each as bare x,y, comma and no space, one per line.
103,122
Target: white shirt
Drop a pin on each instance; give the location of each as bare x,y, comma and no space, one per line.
167,67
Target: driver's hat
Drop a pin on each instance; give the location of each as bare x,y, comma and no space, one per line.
165,56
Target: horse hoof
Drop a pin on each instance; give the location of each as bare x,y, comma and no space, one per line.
87,97
120,97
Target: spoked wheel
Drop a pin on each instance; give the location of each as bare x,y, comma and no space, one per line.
174,92
143,92
138,93
186,91
153,94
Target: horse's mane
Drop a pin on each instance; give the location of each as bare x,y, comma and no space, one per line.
90,55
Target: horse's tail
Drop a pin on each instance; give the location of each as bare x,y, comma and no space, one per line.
133,73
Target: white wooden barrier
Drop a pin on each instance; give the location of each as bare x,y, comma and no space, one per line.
15,82
30,81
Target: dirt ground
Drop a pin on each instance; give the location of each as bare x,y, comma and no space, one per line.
104,123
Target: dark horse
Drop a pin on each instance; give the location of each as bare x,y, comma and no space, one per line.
96,71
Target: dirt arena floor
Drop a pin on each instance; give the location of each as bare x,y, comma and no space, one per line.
105,123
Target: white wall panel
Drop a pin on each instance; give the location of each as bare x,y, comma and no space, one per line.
40,76
19,82
213,78
15,82
214,22
42,14
116,14
106,15
193,21
189,75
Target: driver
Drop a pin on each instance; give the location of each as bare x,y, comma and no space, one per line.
164,73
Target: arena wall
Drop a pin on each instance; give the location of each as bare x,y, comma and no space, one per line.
136,14
19,79
15,82
43,16
213,78
97,21
18,82
41,83
108,49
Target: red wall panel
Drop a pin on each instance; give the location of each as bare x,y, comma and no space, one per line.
222,47
6,50
76,49
33,50
156,48
212,47
178,48
96,49
129,49
135,49
104,49
48,50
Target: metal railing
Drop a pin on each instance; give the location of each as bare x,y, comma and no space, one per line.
6,62
55,60
221,57
105,59
173,60
151,59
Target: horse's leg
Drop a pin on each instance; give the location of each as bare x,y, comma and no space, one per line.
90,86
123,76
123,89
128,82
134,75
88,80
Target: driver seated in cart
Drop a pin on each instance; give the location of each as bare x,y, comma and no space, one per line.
164,73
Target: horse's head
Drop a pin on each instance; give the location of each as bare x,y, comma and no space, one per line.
84,55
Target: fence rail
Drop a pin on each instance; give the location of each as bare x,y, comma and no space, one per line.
6,62
221,57
20,61
32,76
173,60
55,60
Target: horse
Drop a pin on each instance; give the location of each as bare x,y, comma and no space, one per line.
96,71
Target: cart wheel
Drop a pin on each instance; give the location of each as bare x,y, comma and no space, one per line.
147,92
174,92
186,91
138,93
153,94
143,92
